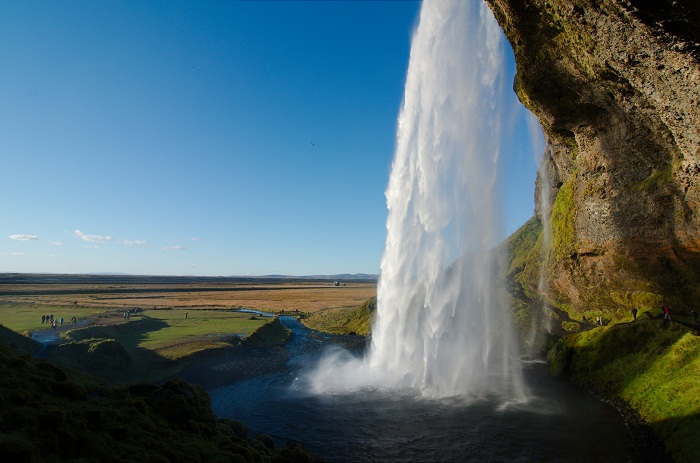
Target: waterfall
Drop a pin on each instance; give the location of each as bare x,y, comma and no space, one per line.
541,320
442,327
545,212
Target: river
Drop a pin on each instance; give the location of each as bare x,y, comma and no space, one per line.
560,423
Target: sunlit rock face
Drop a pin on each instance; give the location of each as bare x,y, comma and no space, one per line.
616,86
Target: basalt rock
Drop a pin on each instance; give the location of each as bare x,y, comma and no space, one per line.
616,87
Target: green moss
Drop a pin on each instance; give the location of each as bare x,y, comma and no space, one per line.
563,222
571,36
657,178
637,299
572,327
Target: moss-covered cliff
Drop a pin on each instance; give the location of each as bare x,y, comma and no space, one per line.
616,86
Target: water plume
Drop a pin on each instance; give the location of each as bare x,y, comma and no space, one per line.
442,327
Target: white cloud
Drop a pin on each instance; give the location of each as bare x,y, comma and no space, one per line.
18,254
24,237
56,243
174,248
197,239
91,238
133,242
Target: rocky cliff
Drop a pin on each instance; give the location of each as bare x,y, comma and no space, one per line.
616,87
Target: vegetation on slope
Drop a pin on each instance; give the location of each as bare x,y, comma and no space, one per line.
151,345
651,364
52,414
357,320
270,334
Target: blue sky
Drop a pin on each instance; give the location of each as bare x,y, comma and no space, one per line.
206,138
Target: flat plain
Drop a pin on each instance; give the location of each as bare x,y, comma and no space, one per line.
116,291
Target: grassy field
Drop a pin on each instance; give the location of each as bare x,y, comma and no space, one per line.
176,317
152,340
171,335
26,317
305,296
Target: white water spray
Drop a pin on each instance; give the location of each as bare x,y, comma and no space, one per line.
545,212
441,326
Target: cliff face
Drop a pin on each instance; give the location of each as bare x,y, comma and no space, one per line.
616,86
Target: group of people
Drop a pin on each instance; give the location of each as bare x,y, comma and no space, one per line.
49,319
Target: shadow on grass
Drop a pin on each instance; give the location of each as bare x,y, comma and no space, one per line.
112,354
648,363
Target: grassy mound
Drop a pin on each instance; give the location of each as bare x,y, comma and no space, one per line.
18,341
268,335
652,365
52,414
357,320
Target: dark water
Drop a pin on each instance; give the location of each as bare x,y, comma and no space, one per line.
559,424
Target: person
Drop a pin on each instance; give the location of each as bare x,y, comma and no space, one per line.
186,314
667,313
583,320
43,319
61,321
599,320
634,313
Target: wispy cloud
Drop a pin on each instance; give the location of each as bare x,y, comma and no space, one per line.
91,238
197,239
174,248
134,242
56,243
18,254
24,237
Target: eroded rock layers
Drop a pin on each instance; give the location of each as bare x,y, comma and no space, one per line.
616,87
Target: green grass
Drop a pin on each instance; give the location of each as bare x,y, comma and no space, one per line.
25,318
53,414
356,320
654,367
173,336
269,334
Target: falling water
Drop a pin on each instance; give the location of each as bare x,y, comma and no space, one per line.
441,326
545,212
541,321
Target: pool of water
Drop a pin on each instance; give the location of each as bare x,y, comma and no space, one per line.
559,423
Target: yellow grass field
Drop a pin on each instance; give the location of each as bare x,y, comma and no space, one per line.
276,296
